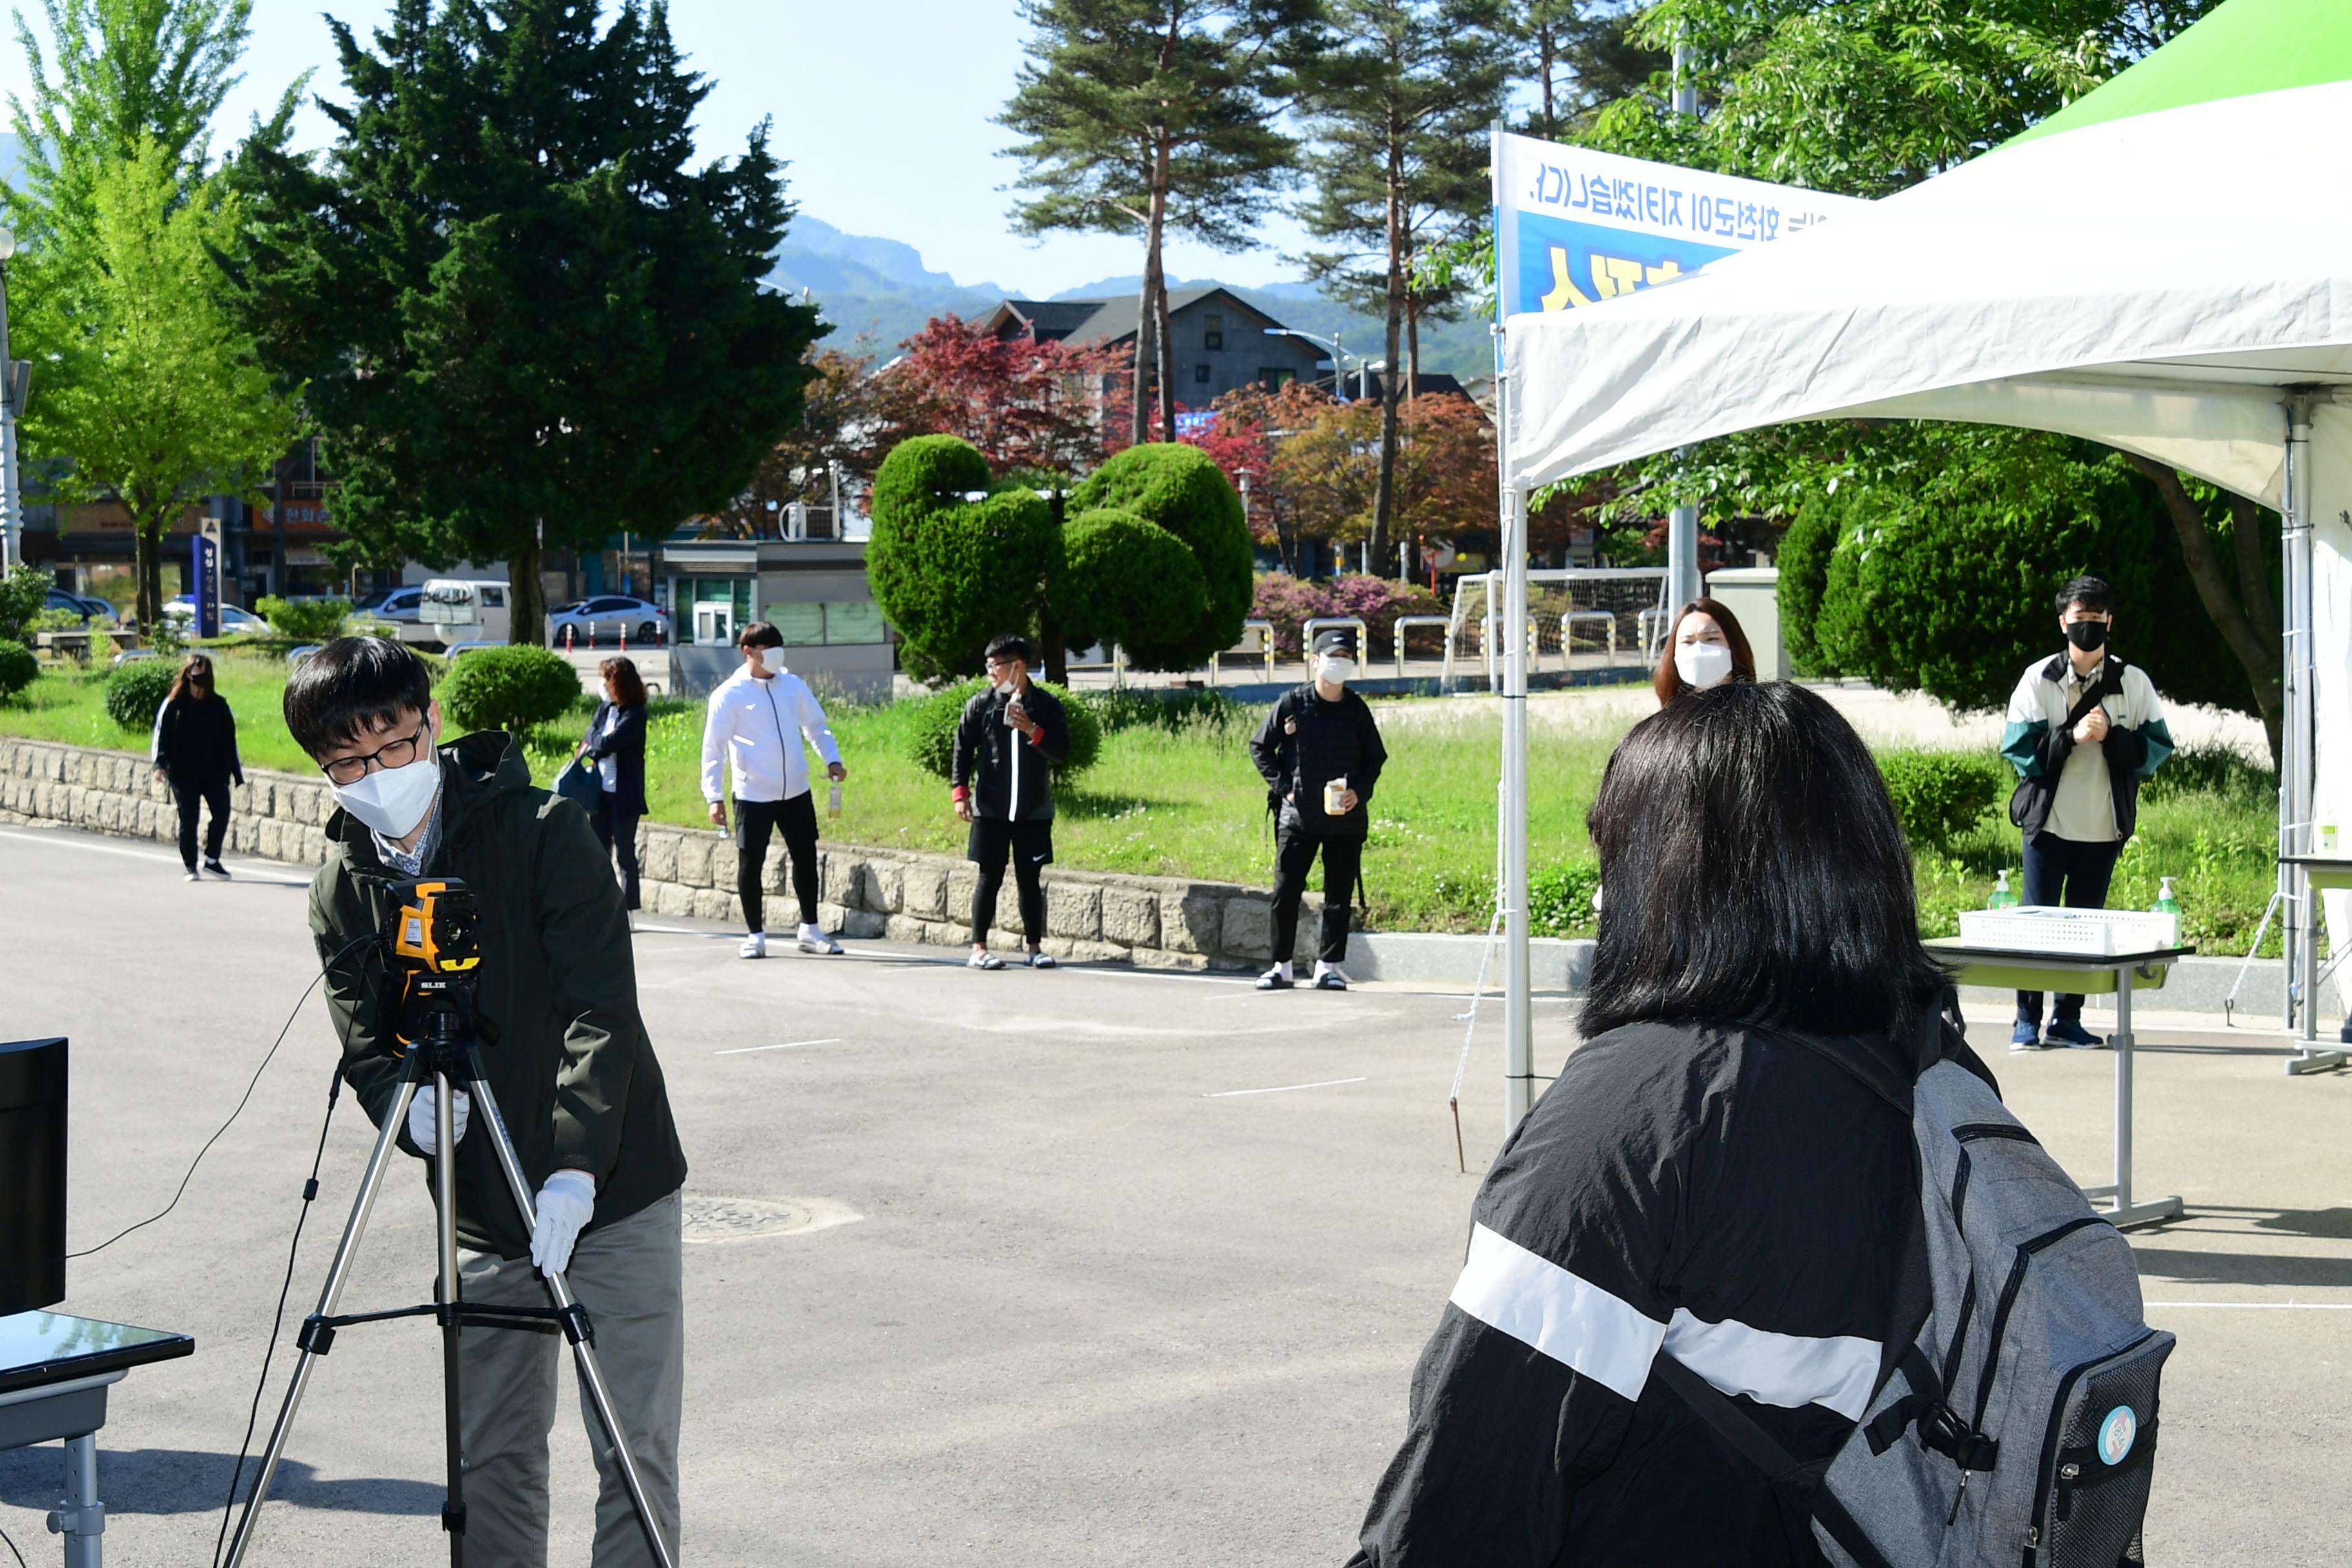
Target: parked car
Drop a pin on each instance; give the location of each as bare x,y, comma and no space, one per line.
455,610
398,606
86,610
608,616
234,622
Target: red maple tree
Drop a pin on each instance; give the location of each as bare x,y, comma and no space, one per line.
1024,403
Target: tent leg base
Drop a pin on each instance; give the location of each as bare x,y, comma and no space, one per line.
2309,1061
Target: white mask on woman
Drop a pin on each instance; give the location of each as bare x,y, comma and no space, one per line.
1702,664
392,801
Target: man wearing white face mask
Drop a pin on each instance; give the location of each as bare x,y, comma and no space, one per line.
576,1077
753,729
1320,755
1705,650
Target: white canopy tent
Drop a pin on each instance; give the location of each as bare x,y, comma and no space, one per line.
2166,266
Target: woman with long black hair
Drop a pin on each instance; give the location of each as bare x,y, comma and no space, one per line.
615,743
194,749
1711,1179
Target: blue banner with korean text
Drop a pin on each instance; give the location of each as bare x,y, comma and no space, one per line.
1574,228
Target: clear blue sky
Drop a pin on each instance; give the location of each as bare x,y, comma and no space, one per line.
882,110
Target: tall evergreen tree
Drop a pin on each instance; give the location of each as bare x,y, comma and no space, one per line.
1154,117
523,319
1399,110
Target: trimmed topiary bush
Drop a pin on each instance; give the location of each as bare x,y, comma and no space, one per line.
135,691
950,572
933,745
1939,795
19,667
509,688
304,620
1125,581
1181,488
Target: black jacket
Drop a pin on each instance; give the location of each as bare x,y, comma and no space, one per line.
1306,741
574,1073
626,746
1010,776
195,742
1713,1191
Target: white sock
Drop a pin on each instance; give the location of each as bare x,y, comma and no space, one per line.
811,933
1321,969
1282,967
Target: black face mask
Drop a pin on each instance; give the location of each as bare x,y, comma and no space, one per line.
2088,635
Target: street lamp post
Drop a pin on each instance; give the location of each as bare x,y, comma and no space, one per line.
1339,359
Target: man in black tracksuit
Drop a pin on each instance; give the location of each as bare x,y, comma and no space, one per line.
1000,774
1320,735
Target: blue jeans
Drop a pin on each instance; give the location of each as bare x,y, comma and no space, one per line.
2064,871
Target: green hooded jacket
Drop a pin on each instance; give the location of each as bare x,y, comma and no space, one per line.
562,1045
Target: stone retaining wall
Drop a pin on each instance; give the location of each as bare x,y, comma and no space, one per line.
1161,921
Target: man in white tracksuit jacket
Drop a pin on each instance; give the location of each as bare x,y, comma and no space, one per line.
755,722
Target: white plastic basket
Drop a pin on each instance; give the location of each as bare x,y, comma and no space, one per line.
2088,933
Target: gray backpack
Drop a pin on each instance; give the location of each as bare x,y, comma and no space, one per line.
2018,1423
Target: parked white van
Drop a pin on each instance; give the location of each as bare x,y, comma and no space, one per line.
454,611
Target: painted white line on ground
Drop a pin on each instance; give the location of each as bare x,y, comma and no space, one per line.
1285,1089
787,1046
66,839
2260,1306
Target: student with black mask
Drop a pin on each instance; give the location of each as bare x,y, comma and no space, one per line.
195,751
2084,728
1320,755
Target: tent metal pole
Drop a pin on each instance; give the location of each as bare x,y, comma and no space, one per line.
1682,523
1519,1019
2299,737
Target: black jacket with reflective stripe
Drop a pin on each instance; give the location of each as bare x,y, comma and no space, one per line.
1717,1193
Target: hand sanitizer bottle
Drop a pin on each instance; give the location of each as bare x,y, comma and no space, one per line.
2165,903
2002,898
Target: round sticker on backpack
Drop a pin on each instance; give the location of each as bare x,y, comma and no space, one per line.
2116,1435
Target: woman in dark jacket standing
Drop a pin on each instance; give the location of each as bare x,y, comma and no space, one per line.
1709,1181
615,743
195,751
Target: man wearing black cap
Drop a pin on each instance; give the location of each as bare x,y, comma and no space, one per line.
1320,755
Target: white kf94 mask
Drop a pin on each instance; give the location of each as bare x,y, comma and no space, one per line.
1702,664
392,801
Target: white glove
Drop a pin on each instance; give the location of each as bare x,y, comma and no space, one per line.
564,1205
421,1129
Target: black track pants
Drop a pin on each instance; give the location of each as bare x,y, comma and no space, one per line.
796,820
1343,860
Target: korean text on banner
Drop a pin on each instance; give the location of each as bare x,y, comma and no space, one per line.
1575,227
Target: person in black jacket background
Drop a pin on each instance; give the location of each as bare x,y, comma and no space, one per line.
1320,736
615,743
1001,779
194,749
1720,1174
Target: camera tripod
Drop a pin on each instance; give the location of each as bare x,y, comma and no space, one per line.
443,1060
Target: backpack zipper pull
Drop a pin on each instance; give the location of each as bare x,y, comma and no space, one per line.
1958,1498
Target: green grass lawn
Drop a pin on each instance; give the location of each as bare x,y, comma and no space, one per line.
1186,803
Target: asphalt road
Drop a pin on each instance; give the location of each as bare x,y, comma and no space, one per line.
1084,1267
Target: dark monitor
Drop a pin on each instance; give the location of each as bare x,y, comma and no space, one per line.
32,1175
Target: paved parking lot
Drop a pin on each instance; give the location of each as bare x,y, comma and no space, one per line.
1085,1267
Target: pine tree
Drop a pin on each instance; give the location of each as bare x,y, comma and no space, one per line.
523,318
1155,117
1400,112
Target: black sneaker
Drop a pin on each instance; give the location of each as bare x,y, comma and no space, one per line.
212,868
2068,1033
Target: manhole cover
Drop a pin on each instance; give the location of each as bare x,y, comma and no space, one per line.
709,1217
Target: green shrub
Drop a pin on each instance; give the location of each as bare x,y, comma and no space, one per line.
950,574
1181,488
1939,795
932,743
135,690
1125,581
509,688
1804,562
19,667
2213,770
1166,707
24,594
1559,898
304,620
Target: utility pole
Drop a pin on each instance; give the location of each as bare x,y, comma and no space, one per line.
1682,524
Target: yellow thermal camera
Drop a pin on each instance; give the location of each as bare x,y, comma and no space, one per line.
431,928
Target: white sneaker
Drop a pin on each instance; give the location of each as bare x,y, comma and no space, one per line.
754,946
193,877
813,939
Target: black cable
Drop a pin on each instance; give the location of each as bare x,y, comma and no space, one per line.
12,1548
251,1085
278,1321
